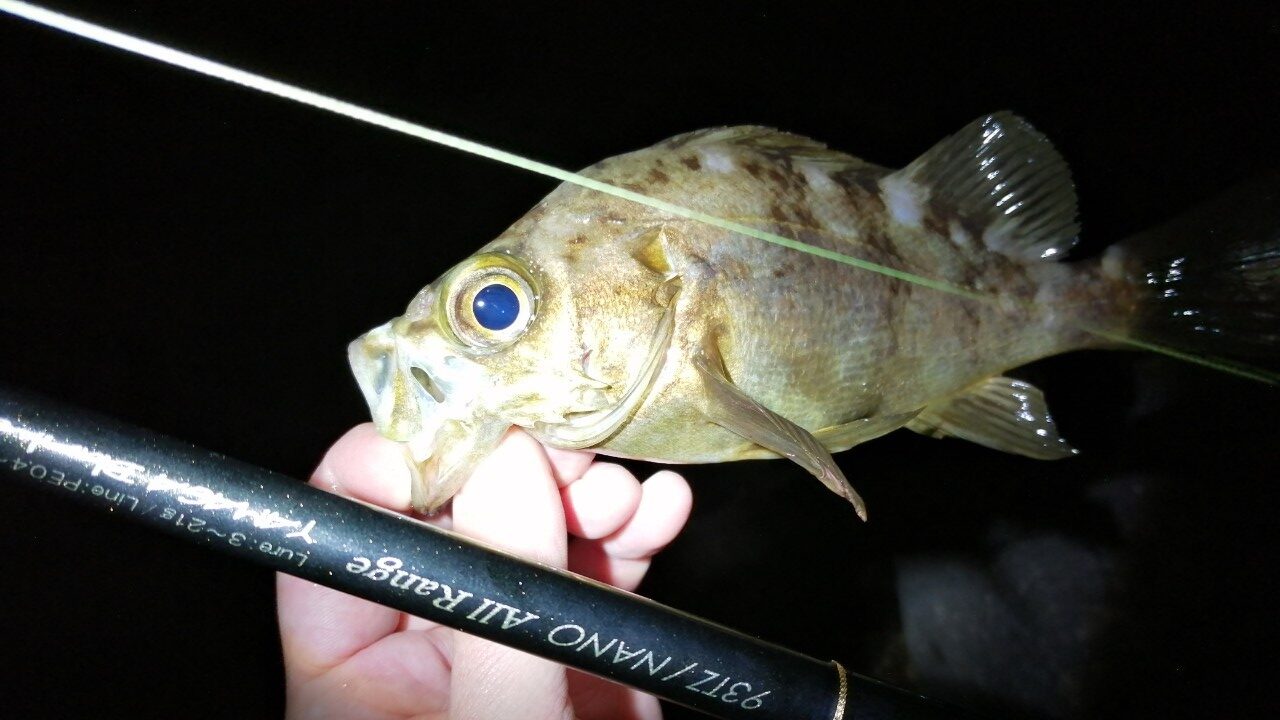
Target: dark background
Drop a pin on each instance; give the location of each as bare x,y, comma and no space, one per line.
193,257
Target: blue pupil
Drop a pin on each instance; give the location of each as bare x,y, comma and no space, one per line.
496,307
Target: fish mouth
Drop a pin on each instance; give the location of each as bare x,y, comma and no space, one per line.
429,399
405,399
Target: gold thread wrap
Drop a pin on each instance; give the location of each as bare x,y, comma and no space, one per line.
843,698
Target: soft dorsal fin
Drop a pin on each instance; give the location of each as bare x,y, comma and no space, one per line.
1000,413
1002,175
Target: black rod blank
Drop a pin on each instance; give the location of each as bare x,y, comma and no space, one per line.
399,562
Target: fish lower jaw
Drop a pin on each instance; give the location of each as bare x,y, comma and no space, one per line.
421,446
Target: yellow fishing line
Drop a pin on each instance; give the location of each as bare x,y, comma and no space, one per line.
197,64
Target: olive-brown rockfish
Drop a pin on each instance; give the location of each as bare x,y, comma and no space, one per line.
596,322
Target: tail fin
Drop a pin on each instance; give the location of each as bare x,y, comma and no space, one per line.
1209,281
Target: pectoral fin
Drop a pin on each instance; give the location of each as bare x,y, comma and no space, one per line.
1001,413
731,408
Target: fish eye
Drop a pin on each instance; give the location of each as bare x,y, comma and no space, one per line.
496,306
491,301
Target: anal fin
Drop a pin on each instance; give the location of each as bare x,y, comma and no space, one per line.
1000,413
731,408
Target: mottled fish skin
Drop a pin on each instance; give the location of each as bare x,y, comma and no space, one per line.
819,343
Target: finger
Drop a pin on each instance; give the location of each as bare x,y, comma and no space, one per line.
658,517
366,466
601,501
569,465
511,501
598,699
403,675
665,503
320,628
622,558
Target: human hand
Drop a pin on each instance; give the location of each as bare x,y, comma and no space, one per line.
349,658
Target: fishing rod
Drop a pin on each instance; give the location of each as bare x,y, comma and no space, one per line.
280,522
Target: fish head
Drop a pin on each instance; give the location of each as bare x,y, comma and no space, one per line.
505,338
456,370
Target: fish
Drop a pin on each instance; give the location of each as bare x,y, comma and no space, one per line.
597,322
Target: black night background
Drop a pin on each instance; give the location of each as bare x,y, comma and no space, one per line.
193,257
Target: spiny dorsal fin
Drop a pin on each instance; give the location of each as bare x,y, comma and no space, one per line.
768,141
1000,413
757,135
1004,176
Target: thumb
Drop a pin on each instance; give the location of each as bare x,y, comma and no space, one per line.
512,501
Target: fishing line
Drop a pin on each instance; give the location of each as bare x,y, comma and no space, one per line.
187,61
230,74
1237,369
